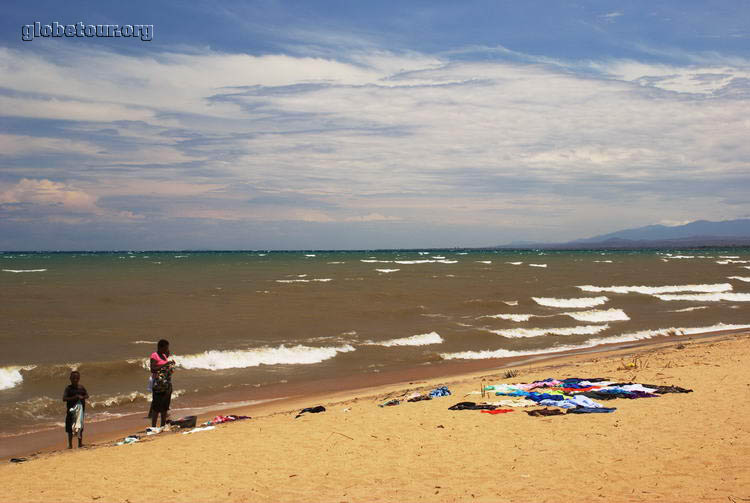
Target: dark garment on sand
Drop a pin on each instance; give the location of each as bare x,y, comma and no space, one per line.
545,412
591,410
471,406
314,410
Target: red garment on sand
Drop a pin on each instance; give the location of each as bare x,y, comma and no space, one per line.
587,388
497,411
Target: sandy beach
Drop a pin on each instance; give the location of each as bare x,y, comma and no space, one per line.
677,447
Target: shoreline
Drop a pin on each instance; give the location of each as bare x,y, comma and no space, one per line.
280,398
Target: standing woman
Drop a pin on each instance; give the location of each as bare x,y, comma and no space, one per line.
161,372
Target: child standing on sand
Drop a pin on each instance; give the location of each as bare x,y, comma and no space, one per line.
75,397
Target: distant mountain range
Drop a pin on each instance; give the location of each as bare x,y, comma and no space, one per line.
698,233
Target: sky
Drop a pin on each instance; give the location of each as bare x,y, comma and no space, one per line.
361,125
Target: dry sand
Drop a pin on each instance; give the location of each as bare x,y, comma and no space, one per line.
679,447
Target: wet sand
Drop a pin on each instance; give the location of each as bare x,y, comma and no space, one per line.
678,447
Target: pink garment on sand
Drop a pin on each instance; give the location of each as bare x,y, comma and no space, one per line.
159,361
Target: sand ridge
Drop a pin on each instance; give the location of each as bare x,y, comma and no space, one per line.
679,447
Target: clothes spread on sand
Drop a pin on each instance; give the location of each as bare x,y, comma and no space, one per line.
497,411
520,402
577,395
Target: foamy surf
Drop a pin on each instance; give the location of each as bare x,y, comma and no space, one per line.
538,332
707,297
688,309
10,377
484,261
518,318
740,278
652,290
627,337
414,340
23,270
599,315
537,265
386,271
575,302
282,355
514,263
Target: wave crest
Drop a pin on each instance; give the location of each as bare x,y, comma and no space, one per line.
282,355
651,290
576,302
414,340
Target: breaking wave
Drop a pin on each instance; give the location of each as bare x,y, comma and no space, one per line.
707,297
512,317
24,270
627,337
387,270
651,290
414,340
537,265
538,332
688,309
11,377
577,302
599,315
740,278
282,355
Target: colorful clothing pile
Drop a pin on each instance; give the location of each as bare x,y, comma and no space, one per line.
574,394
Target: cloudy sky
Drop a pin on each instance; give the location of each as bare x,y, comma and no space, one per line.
345,124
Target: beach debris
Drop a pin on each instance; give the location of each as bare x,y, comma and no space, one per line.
199,429
153,430
18,460
313,410
510,374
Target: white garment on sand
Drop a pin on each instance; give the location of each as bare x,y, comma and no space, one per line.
523,402
196,430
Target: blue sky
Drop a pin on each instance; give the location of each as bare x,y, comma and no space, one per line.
277,125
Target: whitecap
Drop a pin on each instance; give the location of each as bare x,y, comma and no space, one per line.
707,297
627,337
688,309
448,261
373,261
336,262
11,377
518,318
484,261
438,257
576,302
651,290
537,265
603,261
218,360
740,278
143,342
410,262
510,302
538,332
24,270
309,255
387,270
414,340
514,263
599,315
